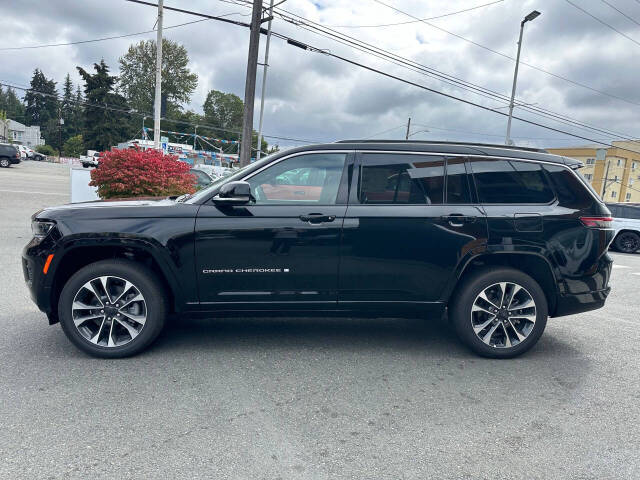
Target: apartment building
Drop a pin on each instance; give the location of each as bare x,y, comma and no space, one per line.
620,163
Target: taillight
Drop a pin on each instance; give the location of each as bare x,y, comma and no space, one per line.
597,222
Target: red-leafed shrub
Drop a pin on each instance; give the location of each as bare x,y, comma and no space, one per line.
137,173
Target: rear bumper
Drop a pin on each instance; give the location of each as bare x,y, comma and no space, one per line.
582,302
586,292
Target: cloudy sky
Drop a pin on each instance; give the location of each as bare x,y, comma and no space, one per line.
314,97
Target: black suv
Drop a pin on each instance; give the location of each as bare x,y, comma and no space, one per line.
8,155
499,237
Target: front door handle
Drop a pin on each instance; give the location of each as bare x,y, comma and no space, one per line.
317,218
458,219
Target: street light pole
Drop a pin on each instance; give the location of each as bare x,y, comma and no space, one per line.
195,134
158,98
528,18
264,80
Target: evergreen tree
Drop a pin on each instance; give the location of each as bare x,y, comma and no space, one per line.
67,108
78,111
11,105
104,124
42,107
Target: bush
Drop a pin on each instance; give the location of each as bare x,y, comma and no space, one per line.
73,147
46,150
137,173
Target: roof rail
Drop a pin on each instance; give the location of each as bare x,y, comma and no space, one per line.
428,142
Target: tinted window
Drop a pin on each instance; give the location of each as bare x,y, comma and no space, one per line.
571,191
503,181
305,179
457,182
397,178
628,212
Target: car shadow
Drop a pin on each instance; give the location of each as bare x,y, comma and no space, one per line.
432,337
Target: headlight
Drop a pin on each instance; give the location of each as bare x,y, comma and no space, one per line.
41,229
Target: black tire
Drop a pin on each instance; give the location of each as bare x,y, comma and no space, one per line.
627,242
5,162
143,279
463,300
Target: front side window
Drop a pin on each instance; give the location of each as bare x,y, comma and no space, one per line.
310,179
401,178
508,182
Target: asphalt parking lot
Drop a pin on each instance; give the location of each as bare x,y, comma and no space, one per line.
311,398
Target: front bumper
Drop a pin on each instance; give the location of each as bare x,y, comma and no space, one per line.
39,283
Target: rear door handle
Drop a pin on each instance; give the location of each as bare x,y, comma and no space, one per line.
317,218
458,220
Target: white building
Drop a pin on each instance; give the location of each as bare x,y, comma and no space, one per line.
29,136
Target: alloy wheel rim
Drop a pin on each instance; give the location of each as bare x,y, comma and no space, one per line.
503,315
109,311
629,242
4,162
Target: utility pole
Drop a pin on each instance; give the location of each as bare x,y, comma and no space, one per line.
526,19
606,178
158,98
406,137
250,84
264,80
195,134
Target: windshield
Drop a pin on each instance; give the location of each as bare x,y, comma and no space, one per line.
205,192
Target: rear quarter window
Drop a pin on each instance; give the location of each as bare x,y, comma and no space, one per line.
571,191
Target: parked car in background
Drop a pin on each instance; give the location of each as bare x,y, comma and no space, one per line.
202,178
499,237
25,152
626,223
39,156
91,159
9,155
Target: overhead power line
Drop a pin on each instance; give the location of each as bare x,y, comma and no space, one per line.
621,12
602,22
555,75
415,21
102,39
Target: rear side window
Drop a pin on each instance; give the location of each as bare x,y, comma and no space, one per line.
507,181
571,191
401,178
457,182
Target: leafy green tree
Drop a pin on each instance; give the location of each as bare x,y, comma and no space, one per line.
42,107
224,111
78,110
73,147
46,149
11,104
105,124
137,76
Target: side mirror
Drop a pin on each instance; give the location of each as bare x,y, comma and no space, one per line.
234,193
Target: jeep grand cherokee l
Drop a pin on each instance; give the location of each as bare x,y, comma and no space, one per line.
500,238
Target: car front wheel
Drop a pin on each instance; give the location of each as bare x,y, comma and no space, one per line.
112,308
499,312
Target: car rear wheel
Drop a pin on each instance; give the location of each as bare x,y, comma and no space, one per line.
112,308
4,162
499,313
627,242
